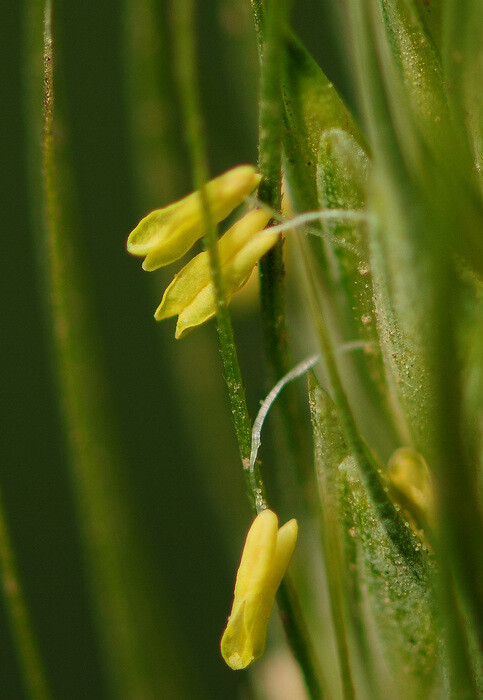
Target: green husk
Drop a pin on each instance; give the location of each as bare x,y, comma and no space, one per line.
384,606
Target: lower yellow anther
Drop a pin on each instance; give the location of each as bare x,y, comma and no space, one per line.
265,559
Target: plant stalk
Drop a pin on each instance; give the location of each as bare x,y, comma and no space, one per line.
185,64
270,27
33,672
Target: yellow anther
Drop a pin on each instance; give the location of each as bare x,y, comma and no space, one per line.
165,235
409,475
191,294
266,556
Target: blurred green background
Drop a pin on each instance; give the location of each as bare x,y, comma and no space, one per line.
170,411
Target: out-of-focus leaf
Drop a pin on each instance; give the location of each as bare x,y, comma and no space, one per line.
428,214
327,166
387,603
124,596
342,178
462,58
400,257
427,107
429,14
408,56
471,347
156,148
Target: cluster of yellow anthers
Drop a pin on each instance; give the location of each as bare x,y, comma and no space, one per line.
266,556
165,235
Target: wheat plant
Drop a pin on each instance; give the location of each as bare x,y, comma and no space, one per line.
362,212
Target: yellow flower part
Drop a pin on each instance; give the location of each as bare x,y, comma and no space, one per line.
165,235
266,556
409,475
191,294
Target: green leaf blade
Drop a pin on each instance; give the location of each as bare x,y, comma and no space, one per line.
388,606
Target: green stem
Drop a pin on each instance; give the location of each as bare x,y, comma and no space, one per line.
33,673
298,636
185,60
270,33
269,28
272,271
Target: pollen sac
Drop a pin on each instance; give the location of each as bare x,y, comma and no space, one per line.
191,294
411,483
166,234
266,556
